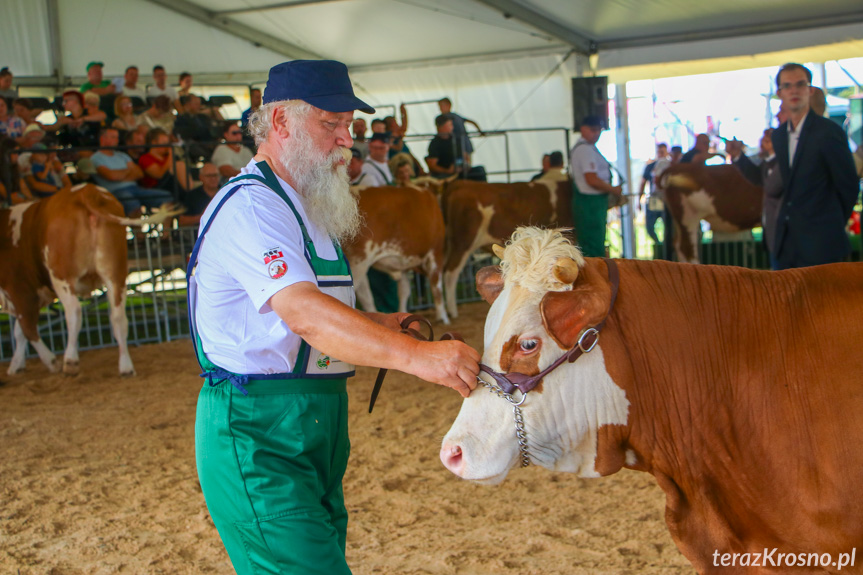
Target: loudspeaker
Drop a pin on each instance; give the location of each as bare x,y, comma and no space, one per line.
590,98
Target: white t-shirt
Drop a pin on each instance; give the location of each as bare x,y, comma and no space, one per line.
136,92
223,155
377,173
240,269
169,91
584,158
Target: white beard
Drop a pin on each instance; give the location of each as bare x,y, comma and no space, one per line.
324,187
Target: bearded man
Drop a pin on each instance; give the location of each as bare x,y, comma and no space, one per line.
277,335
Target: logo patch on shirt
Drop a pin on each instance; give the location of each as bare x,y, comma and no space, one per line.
272,254
278,269
323,361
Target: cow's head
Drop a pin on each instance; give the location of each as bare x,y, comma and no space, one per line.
542,297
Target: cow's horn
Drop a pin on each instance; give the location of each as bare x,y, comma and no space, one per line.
498,250
565,270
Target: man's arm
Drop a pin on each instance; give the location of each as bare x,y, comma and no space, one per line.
336,329
156,170
109,89
597,184
475,125
113,175
133,171
843,173
434,168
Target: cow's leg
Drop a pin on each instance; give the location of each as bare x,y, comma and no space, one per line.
450,278
686,241
18,358
431,267
404,290
120,325
72,309
362,286
111,265
26,329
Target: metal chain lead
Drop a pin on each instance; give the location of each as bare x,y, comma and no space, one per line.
520,432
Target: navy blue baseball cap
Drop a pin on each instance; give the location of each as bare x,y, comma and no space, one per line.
322,83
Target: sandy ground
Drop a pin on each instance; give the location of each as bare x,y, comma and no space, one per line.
98,476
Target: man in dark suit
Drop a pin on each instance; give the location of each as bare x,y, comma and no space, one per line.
820,186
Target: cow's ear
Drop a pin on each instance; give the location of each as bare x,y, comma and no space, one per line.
562,316
566,313
498,250
489,283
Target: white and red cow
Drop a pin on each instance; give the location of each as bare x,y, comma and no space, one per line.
64,246
403,231
738,390
719,195
479,214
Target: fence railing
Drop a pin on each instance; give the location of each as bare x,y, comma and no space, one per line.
156,297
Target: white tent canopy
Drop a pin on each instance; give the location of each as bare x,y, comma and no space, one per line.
231,39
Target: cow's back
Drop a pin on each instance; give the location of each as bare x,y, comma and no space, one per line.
749,382
408,216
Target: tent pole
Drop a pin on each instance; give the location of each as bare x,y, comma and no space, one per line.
54,39
624,165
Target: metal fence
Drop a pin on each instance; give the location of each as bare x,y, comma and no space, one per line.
156,297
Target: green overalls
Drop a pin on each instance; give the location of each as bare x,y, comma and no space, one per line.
590,219
272,449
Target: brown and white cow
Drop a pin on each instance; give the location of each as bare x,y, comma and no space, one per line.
479,214
738,390
719,195
63,247
403,231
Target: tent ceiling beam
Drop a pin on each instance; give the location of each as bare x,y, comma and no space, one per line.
256,37
512,9
266,7
732,32
56,52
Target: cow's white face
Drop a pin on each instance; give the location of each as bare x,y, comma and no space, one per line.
562,416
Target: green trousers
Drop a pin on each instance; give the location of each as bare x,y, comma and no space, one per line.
590,217
385,291
271,466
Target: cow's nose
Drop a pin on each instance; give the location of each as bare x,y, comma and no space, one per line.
451,457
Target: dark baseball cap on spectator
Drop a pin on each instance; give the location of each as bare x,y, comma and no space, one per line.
322,83
356,153
380,137
91,64
592,121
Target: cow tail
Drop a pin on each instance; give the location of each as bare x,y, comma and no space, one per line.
97,204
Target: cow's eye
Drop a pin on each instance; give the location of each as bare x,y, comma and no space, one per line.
528,345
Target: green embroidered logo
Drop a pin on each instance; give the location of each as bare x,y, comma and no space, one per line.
323,361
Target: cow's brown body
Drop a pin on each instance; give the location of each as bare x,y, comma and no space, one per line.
745,401
738,390
480,214
64,246
403,231
720,195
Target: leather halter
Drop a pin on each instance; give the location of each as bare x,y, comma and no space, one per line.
509,382
405,329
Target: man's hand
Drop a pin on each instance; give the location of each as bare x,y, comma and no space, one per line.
450,363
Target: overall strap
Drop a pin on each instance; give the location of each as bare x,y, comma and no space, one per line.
381,172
